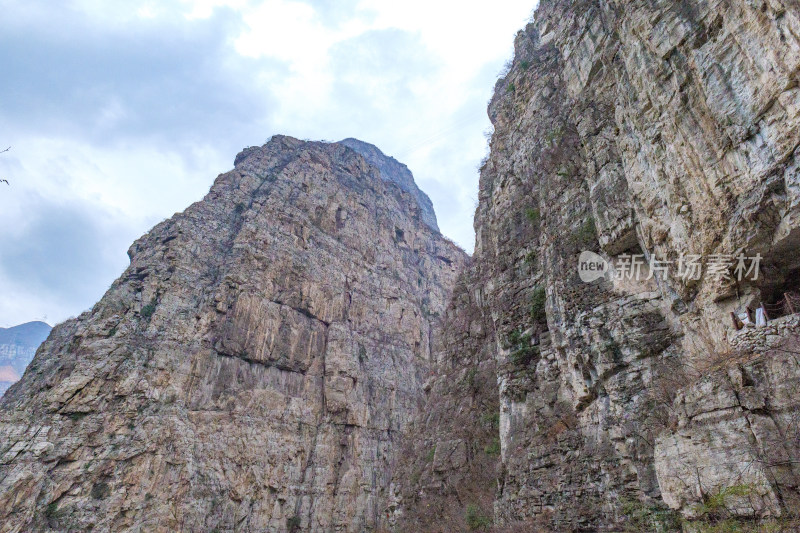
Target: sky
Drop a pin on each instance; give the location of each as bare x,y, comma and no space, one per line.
121,113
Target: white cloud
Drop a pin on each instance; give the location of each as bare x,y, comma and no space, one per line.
128,110
141,182
203,9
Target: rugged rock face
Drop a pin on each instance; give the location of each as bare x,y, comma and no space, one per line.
737,428
638,127
17,347
395,171
264,362
254,369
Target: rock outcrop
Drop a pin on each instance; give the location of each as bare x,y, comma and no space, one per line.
18,345
664,129
736,435
255,368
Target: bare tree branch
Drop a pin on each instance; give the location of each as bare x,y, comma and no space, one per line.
1,180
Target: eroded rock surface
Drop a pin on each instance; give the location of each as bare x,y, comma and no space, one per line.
254,369
737,428
639,127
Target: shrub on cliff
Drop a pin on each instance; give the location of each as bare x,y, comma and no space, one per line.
476,520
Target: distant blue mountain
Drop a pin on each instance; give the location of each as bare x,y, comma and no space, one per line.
17,347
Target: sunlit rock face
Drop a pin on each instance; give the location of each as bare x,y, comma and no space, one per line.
253,369
625,127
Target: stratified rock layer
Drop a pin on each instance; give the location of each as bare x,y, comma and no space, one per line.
254,369
640,127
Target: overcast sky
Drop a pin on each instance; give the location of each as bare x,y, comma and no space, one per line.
119,114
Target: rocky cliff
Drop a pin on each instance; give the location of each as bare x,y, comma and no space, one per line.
303,351
18,345
656,129
254,369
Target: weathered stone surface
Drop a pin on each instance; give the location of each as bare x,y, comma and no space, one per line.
254,369
450,456
759,339
738,428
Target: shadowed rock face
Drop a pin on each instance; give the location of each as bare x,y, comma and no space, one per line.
253,369
624,126
18,345
396,172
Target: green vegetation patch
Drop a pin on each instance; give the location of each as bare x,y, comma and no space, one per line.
148,310
522,351
476,520
538,300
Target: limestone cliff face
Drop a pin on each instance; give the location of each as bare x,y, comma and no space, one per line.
660,128
254,369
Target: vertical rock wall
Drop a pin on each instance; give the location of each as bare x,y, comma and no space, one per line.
655,128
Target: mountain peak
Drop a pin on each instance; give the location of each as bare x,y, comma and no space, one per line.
18,345
396,172
282,327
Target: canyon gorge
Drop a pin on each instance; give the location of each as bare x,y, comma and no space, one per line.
302,350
